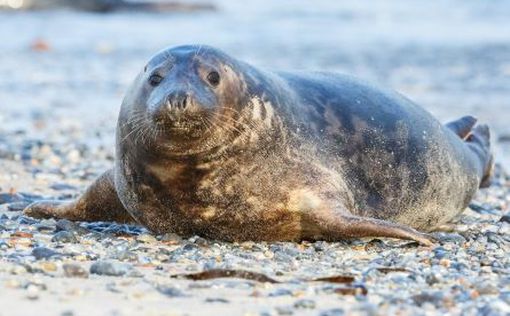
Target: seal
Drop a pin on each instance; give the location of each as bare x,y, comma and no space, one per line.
209,145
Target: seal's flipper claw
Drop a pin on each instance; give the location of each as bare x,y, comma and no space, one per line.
357,227
462,126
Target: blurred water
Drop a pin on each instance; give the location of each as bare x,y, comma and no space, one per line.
452,57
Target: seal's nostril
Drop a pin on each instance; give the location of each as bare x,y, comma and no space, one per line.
178,101
184,102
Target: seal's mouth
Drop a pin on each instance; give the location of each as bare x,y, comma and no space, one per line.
190,124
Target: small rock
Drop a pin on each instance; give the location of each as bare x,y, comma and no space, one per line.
72,270
319,246
305,303
13,284
505,218
124,255
505,296
48,266
449,237
333,312
4,245
44,253
280,292
146,238
40,45
375,244
62,187
134,273
31,196
171,238
24,220
432,278
19,269
435,298
45,226
11,198
32,292
440,253
202,242
284,310
18,206
112,287
20,234
64,237
170,291
504,138
188,247
110,268
67,225
482,209
486,288
34,289
216,300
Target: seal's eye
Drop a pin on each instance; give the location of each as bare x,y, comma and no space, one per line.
214,78
155,79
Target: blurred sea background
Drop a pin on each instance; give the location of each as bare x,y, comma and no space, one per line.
450,56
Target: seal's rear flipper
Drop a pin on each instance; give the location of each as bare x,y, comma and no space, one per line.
462,126
480,138
99,203
350,226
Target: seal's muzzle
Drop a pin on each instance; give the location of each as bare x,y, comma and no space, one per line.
173,107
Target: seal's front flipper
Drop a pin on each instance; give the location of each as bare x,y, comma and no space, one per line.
348,226
99,203
462,126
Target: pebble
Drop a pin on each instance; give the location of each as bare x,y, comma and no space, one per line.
440,252
18,206
72,227
217,300
146,238
44,253
11,198
110,268
48,266
486,288
62,187
32,292
449,237
171,238
305,303
281,292
45,226
74,271
333,312
435,298
64,237
284,310
170,291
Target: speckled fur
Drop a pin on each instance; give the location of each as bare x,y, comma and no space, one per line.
282,156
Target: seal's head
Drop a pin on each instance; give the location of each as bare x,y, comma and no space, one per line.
183,95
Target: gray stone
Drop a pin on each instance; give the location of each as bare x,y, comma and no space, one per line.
110,268
64,237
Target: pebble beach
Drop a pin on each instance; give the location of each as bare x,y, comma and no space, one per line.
66,75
